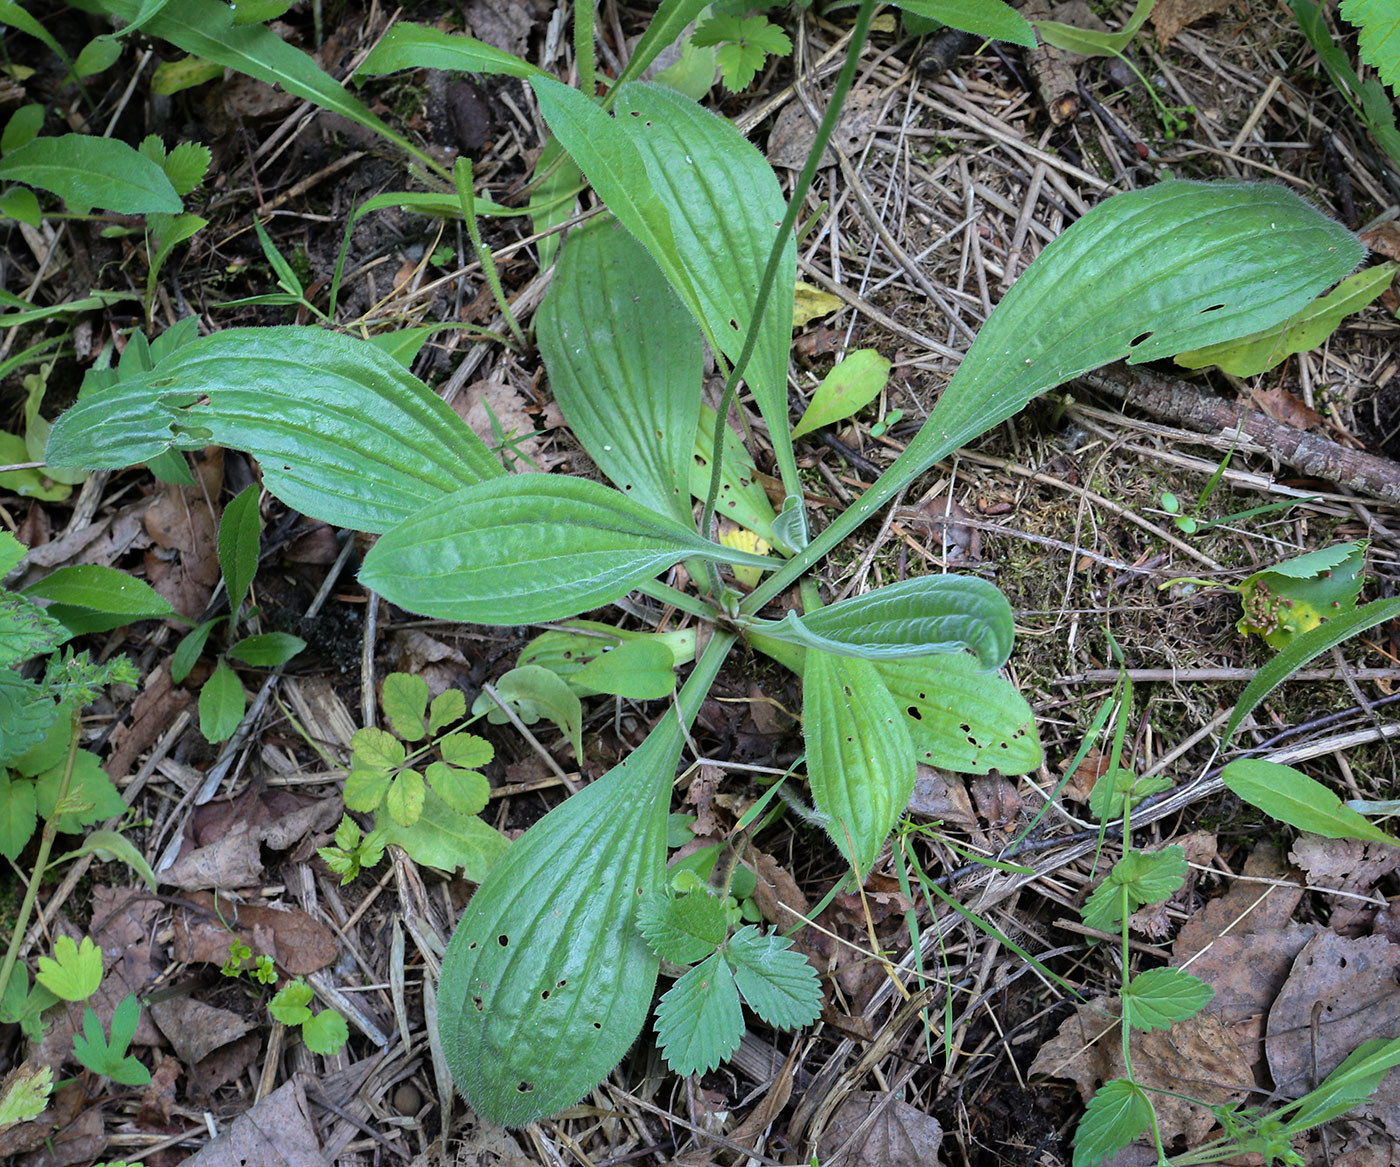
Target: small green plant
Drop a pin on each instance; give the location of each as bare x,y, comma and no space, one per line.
353,852
428,805
324,1032
548,978
742,43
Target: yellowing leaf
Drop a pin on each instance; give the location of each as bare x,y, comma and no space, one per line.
848,388
1304,330
73,972
811,302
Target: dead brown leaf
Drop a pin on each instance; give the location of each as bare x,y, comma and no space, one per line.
1350,866
1086,776
483,401
298,943
942,796
81,1141
183,565
279,1130
1169,17
997,800
794,131
152,713
701,794
1283,407
1383,238
871,1129
159,1097
1245,907
194,1029
234,860
1198,1056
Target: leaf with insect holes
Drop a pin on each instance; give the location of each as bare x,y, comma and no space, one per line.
1146,876
860,761
1157,998
1284,601
110,1057
699,1021
683,928
1118,1112
779,984
74,971
405,701
1290,796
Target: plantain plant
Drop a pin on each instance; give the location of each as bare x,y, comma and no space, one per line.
550,974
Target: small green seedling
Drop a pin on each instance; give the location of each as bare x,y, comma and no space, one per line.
352,852
324,1032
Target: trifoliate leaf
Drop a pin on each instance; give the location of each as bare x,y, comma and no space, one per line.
684,928
465,791
73,972
290,1005
405,704
1380,36
1157,998
1117,1114
1146,876
777,982
325,1033
699,1021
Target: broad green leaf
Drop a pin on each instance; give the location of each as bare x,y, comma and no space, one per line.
724,204
74,970
556,183
49,752
530,549
1118,1112
18,816
89,786
624,361
404,799
416,46
25,1094
989,18
190,648
1157,998
446,839
1301,651
405,700
615,167
325,1033
1147,876
848,388
98,55
683,928
26,630
1141,276
109,846
267,650
1090,43
205,28
911,618
221,704
1300,333
741,498
1291,797
961,717
1379,22
270,391
778,983
860,762
699,1022
534,692
546,981
638,669
19,202
292,1003
465,791
170,77
22,127
86,172
12,551
101,589
240,539
403,344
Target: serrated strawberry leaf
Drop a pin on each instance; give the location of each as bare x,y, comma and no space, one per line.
1118,1112
1146,877
777,982
684,928
699,1022
1160,996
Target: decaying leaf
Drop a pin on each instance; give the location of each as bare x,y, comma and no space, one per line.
872,1129
1169,17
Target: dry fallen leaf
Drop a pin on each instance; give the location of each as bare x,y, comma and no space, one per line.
299,944
278,1130
1345,865
870,1129
1169,17
794,131
1282,406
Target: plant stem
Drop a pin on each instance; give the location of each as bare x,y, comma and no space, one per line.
462,173
41,861
584,52
775,255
